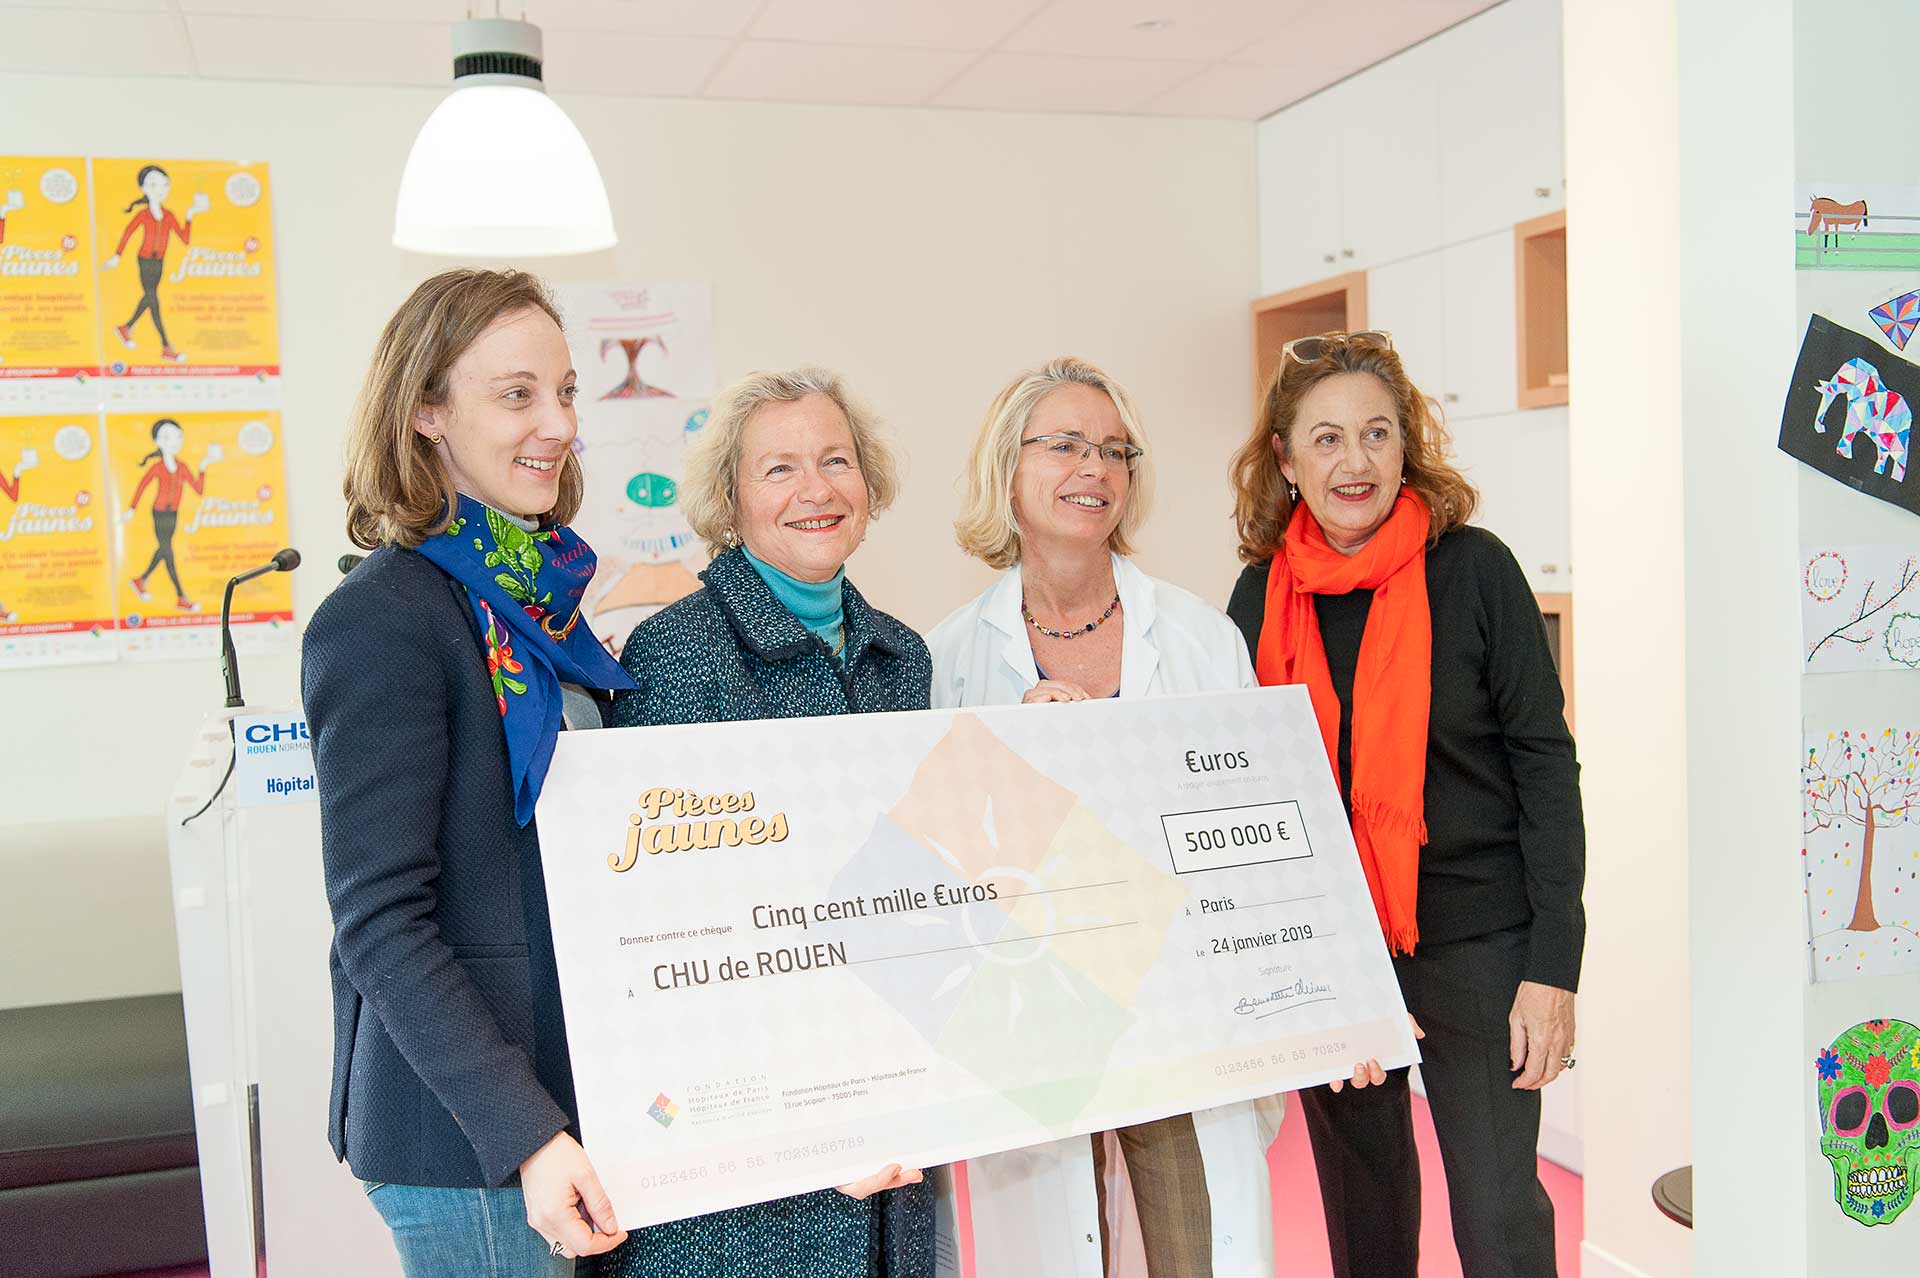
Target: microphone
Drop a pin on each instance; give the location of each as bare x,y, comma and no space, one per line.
283,561
347,563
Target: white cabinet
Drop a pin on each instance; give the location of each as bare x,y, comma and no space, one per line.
1407,298
1499,119
1451,314
1519,462
1299,196
1447,141
1389,149
1482,359
1350,177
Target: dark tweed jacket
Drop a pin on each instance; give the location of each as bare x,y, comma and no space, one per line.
732,651
450,1057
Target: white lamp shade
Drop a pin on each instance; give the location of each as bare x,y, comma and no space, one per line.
500,171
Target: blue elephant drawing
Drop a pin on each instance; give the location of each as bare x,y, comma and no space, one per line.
1883,414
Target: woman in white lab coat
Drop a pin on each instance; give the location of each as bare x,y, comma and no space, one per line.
1057,484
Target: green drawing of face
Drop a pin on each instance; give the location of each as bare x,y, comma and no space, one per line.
649,489
1903,638
1869,1084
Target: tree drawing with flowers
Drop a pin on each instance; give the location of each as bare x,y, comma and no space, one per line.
1867,782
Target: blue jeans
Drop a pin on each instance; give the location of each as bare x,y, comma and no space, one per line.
465,1233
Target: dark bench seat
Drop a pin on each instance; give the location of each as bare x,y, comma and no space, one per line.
98,1169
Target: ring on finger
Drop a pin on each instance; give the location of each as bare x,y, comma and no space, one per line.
1566,1062
559,1248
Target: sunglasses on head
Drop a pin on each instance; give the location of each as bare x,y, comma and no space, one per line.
1309,349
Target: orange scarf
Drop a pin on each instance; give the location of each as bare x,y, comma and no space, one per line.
1392,687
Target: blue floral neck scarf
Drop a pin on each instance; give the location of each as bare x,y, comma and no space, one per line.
526,589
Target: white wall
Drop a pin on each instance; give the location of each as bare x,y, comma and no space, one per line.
1832,140
929,254
1684,530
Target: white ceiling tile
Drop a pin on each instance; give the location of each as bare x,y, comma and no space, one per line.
781,71
1197,30
75,40
333,10
1331,39
1035,82
630,65
327,52
98,6
911,24
642,17
1230,93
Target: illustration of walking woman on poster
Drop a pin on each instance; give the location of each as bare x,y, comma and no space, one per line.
10,485
201,235
170,477
156,223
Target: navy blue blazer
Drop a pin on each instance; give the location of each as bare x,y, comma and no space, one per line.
450,1057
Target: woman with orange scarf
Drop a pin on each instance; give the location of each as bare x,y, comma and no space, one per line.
1422,647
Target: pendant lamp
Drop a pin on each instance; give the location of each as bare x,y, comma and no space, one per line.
498,169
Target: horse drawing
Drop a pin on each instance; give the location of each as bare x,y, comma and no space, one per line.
1830,217
1883,414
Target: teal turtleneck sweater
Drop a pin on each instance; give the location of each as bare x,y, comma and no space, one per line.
815,603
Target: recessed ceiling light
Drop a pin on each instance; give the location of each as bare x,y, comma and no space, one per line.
1153,24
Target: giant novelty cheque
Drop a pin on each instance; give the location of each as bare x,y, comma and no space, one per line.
794,951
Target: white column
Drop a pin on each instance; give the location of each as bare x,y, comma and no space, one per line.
1679,164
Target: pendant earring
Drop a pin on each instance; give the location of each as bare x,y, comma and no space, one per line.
1293,494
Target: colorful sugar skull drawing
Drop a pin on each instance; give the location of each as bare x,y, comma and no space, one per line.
1869,1087
156,223
170,477
1883,414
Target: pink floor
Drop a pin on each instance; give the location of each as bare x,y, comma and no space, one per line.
1299,1230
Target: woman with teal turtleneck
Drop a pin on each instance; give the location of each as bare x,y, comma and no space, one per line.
780,485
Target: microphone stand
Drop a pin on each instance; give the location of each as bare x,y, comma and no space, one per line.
283,561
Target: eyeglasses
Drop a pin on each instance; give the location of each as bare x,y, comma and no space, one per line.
1308,349
1074,448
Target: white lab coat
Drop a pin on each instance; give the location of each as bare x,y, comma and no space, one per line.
1034,1210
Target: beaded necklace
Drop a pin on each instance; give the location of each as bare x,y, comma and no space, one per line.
1087,629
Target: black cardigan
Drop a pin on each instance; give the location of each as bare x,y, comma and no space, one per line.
450,1060
1506,843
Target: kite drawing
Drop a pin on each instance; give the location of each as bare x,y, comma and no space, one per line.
1898,318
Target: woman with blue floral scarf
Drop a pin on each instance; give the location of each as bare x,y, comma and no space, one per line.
436,678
